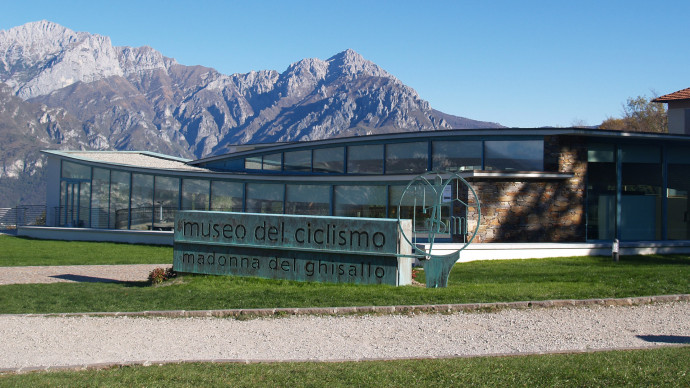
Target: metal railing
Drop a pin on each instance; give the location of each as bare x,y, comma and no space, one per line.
23,215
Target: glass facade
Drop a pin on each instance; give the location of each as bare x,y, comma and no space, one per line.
142,202
635,190
407,158
227,196
601,192
329,160
360,201
195,194
308,199
524,155
457,155
119,200
299,161
365,159
265,198
166,201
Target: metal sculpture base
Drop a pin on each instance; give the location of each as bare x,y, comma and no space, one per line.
437,269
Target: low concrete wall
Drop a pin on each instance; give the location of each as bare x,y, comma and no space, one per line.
503,251
84,234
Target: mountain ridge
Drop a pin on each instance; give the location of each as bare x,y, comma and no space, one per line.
135,98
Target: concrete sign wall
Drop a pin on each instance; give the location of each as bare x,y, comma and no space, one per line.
305,248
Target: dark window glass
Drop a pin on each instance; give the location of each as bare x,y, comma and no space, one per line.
308,199
100,198
226,196
601,192
407,158
272,162
520,155
329,160
195,194
166,200
119,200
75,171
265,198
457,155
365,159
360,201
641,193
298,161
142,202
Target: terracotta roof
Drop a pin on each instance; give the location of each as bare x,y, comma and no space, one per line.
675,96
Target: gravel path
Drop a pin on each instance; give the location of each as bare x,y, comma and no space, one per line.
31,342
77,273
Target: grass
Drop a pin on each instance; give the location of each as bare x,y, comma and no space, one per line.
665,367
18,251
479,281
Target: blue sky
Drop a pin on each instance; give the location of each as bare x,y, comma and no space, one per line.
520,63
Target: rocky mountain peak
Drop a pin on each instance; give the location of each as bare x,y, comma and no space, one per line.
351,64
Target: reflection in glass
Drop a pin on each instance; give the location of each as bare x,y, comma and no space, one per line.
142,202
252,163
265,198
407,158
100,198
298,161
166,200
360,201
308,199
119,200
195,194
641,193
272,162
329,160
75,171
601,192
457,155
365,159
415,206
521,155
226,196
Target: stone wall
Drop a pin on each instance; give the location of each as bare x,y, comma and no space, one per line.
536,209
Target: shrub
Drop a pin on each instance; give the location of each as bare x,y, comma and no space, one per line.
159,275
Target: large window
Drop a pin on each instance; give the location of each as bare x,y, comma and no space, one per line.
641,193
522,155
308,199
360,201
678,219
330,160
142,202
195,194
166,200
100,198
457,155
226,196
407,158
272,162
75,171
299,161
119,200
365,159
601,192
265,198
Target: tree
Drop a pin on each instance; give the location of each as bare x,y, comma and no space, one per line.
640,115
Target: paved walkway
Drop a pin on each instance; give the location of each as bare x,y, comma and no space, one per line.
34,341
77,273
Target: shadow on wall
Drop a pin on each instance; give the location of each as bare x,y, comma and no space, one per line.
538,210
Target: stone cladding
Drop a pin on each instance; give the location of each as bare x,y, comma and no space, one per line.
536,209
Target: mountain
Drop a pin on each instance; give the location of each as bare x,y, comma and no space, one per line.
67,89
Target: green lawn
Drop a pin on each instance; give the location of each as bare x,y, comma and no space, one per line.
17,251
664,367
480,281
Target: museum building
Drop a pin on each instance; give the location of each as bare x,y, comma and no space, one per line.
545,185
